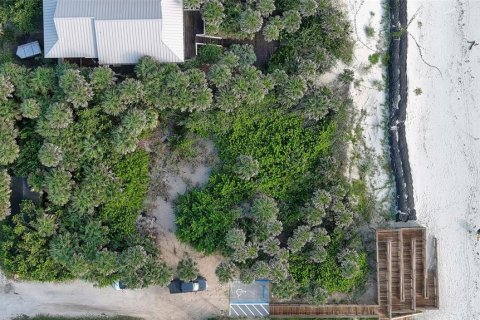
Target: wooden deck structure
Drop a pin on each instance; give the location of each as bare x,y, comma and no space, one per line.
263,49
405,285
192,25
195,36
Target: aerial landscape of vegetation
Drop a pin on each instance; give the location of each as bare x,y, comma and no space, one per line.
278,204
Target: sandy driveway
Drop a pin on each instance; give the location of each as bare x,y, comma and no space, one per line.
443,132
79,298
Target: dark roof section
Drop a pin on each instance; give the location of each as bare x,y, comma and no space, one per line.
20,192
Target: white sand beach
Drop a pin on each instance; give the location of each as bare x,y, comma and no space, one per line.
443,134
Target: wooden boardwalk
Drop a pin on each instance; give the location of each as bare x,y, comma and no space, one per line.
406,286
325,311
263,49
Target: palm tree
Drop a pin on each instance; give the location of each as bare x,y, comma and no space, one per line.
292,20
46,225
42,80
212,13
225,271
147,68
272,29
245,53
134,122
261,270
59,116
131,91
5,192
265,7
111,103
106,263
317,295
235,238
76,89
30,109
6,88
187,269
219,75
251,21
349,263
58,184
62,248
102,78
192,4
285,289
307,7
300,237
50,155
264,209
246,167
9,149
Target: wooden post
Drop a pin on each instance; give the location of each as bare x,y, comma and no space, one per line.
402,271
435,282
389,277
425,260
414,275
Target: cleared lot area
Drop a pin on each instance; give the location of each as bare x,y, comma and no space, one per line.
80,298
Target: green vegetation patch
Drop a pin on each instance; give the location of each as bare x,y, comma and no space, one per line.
121,209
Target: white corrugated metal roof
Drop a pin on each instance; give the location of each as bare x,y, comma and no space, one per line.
28,50
118,41
109,9
76,38
114,31
49,30
172,33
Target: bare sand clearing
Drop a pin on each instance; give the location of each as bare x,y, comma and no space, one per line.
443,132
80,298
368,94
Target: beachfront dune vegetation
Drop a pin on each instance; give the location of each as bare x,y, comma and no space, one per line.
277,205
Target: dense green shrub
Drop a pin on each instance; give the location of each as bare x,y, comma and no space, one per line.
5,192
20,15
328,274
242,19
122,208
8,146
204,216
322,38
24,251
187,269
225,271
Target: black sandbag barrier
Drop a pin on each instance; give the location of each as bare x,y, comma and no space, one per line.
398,95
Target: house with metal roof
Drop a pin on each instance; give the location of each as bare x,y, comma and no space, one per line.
114,31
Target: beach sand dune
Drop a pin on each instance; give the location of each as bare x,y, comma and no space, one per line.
443,133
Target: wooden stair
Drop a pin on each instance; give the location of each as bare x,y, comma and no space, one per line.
405,285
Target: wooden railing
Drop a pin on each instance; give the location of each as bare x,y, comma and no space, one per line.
330,311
